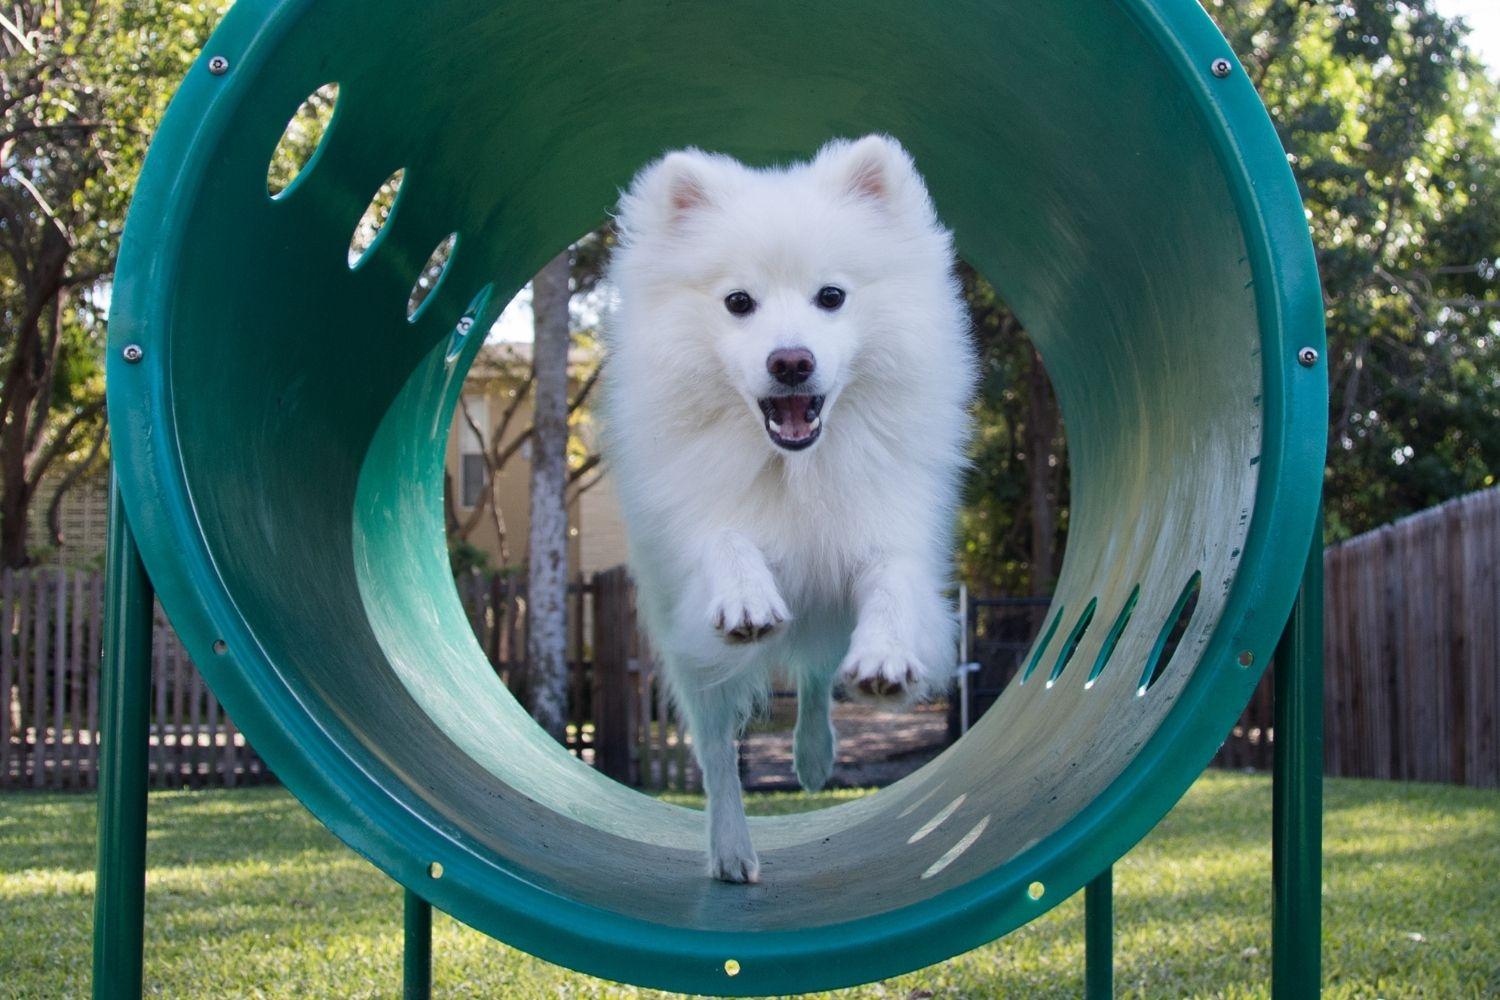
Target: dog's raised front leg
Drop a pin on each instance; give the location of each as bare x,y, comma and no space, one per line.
903,646
813,741
743,602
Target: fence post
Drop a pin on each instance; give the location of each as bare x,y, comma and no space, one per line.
612,627
120,897
1297,792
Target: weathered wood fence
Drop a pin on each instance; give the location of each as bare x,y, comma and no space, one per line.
1412,625
1411,651
50,635
619,717
50,627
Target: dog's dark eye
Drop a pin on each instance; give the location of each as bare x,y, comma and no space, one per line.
739,303
830,297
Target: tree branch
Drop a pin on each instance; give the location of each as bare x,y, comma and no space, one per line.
59,443
584,488
588,386
588,466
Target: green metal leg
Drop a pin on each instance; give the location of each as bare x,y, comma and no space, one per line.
1297,793
120,896
416,977
1099,937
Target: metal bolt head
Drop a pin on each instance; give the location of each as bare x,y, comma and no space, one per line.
435,870
1247,658
1307,357
218,65
132,353
465,325
1221,67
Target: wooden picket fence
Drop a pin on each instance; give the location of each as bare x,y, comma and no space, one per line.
1412,660
619,717
51,623
1411,653
641,739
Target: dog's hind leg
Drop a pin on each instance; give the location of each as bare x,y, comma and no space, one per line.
715,717
813,740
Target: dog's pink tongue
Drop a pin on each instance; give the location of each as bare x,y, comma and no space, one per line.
791,414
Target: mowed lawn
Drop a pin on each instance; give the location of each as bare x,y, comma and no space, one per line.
250,897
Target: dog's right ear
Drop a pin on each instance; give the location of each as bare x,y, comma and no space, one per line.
668,192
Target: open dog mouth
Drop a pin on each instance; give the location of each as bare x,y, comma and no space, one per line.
794,422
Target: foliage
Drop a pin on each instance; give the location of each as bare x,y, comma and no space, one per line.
465,557
248,896
82,85
1019,456
1393,132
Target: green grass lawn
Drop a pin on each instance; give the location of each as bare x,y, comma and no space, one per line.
250,897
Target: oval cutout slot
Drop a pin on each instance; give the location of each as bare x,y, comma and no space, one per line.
1041,648
302,141
1113,639
1074,638
372,226
424,290
1172,632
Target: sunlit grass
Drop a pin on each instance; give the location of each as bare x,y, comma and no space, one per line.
249,896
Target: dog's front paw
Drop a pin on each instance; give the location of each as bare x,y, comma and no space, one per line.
748,615
880,672
734,861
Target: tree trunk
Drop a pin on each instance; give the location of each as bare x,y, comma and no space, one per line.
25,394
1041,435
23,384
547,584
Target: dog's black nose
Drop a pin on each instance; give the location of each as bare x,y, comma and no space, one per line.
791,365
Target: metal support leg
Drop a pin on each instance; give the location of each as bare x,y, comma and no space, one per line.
416,976
1099,937
1297,793
120,895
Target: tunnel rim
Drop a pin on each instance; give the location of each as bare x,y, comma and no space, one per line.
587,938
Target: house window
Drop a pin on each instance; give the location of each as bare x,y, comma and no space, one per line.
471,451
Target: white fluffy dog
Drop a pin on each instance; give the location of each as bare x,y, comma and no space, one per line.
785,412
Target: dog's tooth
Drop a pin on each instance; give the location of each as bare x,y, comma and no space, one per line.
813,421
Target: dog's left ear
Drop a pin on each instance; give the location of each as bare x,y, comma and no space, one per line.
875,168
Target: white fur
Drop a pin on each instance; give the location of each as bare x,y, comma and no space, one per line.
829,563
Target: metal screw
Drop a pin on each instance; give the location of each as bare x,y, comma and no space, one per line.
132,353
1247,658
1307,357
435,869
731,968
1036,890
465,325
1221,67
218,65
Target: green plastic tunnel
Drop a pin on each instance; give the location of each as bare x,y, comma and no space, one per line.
280,440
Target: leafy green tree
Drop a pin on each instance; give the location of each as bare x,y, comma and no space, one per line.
1393,131
82,85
